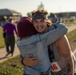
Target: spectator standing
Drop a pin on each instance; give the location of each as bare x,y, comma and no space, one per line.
9,28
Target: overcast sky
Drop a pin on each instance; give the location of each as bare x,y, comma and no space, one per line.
24,6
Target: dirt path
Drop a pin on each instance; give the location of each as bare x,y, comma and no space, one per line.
71,28
3,53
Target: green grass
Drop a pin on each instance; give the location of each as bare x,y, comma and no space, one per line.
71,36
1,39
11,67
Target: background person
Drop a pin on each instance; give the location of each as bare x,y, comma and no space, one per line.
9,28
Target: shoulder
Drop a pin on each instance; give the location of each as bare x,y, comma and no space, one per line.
51,27
60,23
26,40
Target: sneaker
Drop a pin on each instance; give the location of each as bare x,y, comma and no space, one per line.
7,54
11,54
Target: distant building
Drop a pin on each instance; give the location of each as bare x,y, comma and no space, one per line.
7,13
66,16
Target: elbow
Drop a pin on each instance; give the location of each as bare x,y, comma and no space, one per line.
66,30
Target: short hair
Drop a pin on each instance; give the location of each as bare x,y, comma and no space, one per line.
39,11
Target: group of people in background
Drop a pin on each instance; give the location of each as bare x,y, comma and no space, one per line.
43,44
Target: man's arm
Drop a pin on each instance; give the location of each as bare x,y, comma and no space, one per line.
55,34
65,51
29,60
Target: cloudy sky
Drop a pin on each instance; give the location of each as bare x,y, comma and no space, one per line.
25,6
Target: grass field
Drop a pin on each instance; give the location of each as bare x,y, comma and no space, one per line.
1,39
71,36
11,67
